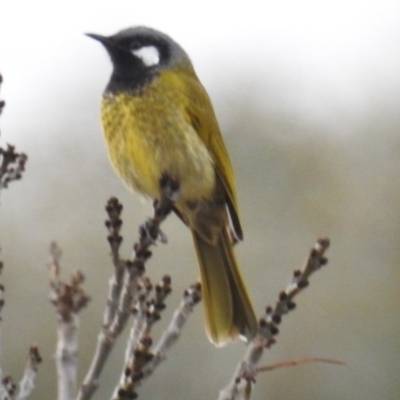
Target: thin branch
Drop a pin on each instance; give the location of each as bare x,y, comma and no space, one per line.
27,383
68,300
12,164
144,360
300,361
149,233
114,224
8,388
241,383
2,300
145,314
191,297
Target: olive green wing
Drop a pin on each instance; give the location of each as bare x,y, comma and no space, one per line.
199,111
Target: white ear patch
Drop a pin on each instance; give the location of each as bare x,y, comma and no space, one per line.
148,54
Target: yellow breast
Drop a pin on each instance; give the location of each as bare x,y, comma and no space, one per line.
149,134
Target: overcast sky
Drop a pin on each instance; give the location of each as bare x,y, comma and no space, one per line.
320,54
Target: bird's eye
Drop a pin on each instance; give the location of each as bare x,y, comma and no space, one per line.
148,54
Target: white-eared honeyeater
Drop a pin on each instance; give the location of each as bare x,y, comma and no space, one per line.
159,121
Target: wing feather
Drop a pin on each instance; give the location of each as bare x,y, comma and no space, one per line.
200,113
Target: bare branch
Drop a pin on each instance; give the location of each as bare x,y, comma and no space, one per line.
2,300
68,299
27,383
114,224
300,361
191,297
8,388
144,360
12,164
149,233
146,313
241,383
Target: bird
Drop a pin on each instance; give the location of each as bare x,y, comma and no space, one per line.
158,120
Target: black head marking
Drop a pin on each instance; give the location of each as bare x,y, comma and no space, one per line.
138,54
133,39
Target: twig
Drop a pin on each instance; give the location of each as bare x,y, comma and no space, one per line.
294,363
68,300
114,224
191,297
27,383
12,164
149,232
244,377
8,388
146,313
144,361
2,300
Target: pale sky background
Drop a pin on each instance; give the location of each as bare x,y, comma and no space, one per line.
307,94
315,48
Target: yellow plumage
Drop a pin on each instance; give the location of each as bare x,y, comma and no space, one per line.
143,131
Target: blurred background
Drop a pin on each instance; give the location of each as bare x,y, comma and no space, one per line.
307,94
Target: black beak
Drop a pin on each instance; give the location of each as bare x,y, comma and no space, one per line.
102,39
109,43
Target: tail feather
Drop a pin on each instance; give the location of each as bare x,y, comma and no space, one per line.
228,310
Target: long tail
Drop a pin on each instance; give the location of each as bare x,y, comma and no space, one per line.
228,310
